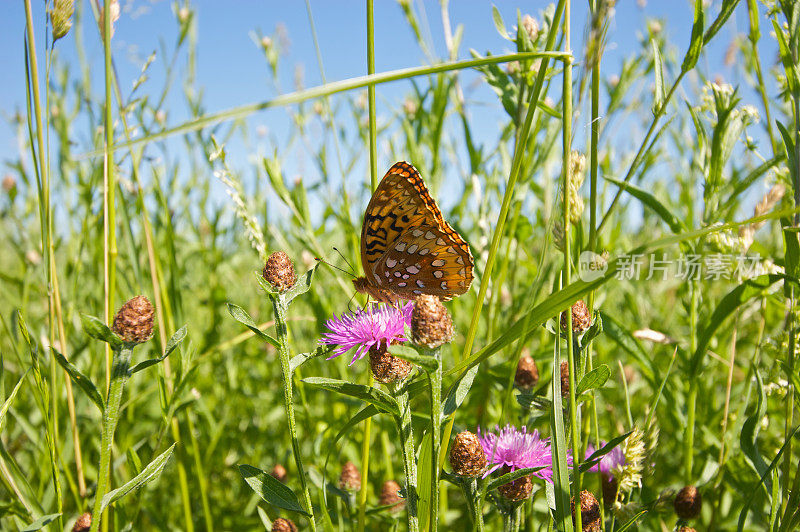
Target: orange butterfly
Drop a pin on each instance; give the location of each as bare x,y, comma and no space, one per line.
407,248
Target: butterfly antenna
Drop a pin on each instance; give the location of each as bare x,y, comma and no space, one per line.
325,262
345,260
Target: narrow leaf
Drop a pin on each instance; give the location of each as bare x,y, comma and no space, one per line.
95,328
83,382
594,379
725,12
302,285
172,344
371,395
148,474
458,392
10,399
499,24
244,318
601,452
696,42
658,67
428,363
271,489
40,523
649,200
298,360
514,475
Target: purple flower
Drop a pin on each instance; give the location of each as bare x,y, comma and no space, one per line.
517,449
609,461
381,324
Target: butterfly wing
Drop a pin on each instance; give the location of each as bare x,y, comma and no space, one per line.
425,260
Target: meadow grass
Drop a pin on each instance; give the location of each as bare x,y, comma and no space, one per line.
231,416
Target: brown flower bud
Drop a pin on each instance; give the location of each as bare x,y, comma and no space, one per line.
431,324
564,379
350,479
279,472
609,485
581,318
390,496
283,525
590,511
527,373
83,524
134,321
387,368
9,183
279,271
466,455
516,490
688,502
686,529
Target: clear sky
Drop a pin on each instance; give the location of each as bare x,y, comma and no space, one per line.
231,67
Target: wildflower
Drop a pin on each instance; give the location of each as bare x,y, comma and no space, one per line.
61,18
431,325
688,502
382,325
283,525
350,478
391,497
279,271
590,511
279,472
581,317
466,455
517,449
134,321
83,523
527,373
387,368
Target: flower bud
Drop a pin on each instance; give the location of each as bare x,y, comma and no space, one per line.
279,472
609,485
83,524
9,183
387,368
527,373
564,379
283,525
466,455
531,27
686,529
390,496
431,325
516,490
279,271
688,502
134,321
581,318
590,511
350,478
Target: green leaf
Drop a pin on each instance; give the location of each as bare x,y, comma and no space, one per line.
83,382
648,200
748,439
696,42
725,12
365,413
298,360
727,305
658,67
244,318
172,344
426,362
601,452
424,459
594,379
148,474
514,475
40,523
10,399
271,489
458,392
788,146
371,395
302,285
499,24
100,331
630,522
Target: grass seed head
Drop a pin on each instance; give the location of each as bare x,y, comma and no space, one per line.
527,373
431,324
61,18
590,511
688,502
283,525
466,455
279,271
134,321
350,478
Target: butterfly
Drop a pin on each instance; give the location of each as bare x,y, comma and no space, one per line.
407,248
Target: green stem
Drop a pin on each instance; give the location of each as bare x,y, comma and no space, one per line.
691,404
435,383
119,375
280,306
362,495
406,434
473,494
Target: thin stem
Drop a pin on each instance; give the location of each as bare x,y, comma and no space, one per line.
119,375
754,35
691,404
373,128
409,464
362,494
435,384
282,333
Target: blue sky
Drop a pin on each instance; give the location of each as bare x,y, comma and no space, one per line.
232,71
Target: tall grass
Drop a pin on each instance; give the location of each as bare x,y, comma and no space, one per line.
692,377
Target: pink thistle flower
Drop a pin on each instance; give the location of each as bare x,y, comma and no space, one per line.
380,325
518,449
610,460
